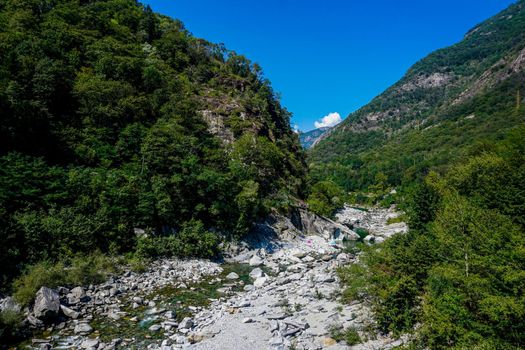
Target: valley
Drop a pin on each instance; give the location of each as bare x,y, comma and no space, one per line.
155,192
273,294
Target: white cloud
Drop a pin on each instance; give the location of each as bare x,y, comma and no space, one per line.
296,129
329,120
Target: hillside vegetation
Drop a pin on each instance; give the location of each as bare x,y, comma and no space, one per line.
457,279
450,135
448,103
117,121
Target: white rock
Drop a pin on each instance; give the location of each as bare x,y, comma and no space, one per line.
89,344
186,323
232,276
259,282
244,303
78,292
297,253
69,312
155,328
83,328
343,257
256,273
47,303
256,261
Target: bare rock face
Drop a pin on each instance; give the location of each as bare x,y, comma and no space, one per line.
313,224
47,304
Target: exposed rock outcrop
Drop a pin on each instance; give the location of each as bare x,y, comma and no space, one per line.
313,224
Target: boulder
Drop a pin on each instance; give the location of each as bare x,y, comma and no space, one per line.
47,304
83,328
155,328
78,292
298,253
89,344
33,321
343,257
313,224
256,273
259,282
325,278
232,276
256,261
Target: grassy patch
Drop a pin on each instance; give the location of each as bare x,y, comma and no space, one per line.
78,271
349,335
400,218
10,323
355,278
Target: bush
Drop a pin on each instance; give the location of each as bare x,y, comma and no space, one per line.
10,323
80,270
193,241
36,276
325,198
349,335
137,263
362,233
458,272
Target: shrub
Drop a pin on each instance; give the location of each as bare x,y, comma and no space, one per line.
80,270
349,335
325,198
36,276
137,263
10,323
193,241
362,233
196,241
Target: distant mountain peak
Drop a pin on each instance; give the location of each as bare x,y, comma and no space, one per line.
310,138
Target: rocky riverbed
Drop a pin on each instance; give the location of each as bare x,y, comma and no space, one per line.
277,291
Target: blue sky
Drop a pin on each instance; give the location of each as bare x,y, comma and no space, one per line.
330,56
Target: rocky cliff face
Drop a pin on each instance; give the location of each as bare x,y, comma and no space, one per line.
489,54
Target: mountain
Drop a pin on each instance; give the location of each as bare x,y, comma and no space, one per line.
117,120
309,138
447,103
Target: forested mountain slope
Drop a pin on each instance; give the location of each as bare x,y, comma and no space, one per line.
114,118
452,99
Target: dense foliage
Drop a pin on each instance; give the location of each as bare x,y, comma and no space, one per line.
459,272
103,106
451,136
452,99
326,197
